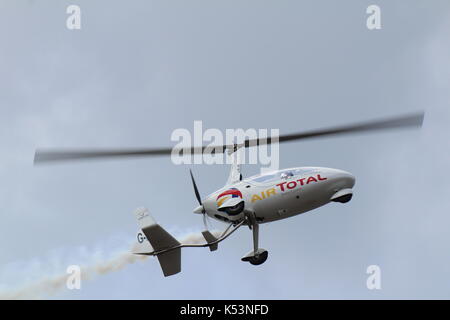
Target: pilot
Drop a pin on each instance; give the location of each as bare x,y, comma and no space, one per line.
286,175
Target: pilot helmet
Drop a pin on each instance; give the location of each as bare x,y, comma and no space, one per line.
286,175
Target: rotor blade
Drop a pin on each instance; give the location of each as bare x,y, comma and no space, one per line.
197,194
411,120
55,155
49,155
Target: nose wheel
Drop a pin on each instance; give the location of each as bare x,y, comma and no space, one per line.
258,255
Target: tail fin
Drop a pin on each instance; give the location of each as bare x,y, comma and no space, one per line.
142,246
160,240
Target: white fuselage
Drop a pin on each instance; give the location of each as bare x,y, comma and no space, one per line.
280,194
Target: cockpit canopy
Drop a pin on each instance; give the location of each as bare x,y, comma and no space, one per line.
285,174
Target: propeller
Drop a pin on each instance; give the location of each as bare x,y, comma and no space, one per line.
197,194
199,199
58,155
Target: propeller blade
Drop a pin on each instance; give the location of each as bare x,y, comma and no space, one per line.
205,221
56,155
197,194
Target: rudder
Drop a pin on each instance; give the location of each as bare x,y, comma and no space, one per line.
160,240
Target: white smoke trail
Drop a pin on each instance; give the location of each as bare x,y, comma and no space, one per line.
48,286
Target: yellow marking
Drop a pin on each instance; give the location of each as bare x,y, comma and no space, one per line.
270,192
255,197
222,200
265,194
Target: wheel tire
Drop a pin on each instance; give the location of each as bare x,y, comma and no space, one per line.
260,259
344,199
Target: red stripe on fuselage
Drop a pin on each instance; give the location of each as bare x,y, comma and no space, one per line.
233,192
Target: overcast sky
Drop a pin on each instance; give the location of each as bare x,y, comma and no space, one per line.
138,70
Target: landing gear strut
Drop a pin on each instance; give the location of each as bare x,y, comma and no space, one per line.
258,255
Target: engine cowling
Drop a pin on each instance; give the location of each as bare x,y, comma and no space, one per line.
233,206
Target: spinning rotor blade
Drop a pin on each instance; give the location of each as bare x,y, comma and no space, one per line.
57,155
412,120
50,155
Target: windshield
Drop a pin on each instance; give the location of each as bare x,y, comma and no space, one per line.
285,174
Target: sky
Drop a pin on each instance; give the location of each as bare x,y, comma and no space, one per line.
136,71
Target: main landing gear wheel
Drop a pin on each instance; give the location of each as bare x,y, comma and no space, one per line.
260,259
256,258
